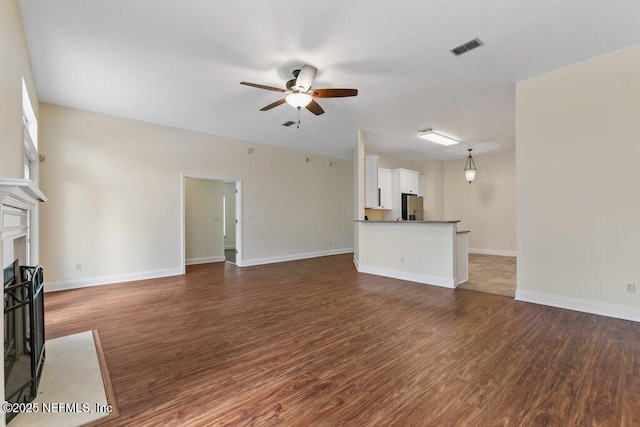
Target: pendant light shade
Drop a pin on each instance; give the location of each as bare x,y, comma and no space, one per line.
298,100
470,168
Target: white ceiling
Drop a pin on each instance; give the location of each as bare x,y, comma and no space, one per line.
179,63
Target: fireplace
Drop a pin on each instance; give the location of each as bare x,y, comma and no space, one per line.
24,350
23,320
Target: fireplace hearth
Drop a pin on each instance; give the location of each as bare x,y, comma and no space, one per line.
24,350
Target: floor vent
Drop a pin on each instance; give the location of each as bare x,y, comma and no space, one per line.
466,47
289,123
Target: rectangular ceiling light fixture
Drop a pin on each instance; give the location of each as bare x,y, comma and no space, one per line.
432,135
466,47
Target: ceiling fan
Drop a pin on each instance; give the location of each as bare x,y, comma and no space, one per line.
300,94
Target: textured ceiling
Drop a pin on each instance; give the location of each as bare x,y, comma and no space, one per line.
179,63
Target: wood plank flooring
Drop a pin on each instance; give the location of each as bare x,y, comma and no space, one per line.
491,274
313,342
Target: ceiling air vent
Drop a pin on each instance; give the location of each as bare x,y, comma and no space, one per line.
289,123
466,47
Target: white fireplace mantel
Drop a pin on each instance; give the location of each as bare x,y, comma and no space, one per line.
17,198
20,193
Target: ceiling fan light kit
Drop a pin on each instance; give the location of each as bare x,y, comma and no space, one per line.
299,92
298,100
437,137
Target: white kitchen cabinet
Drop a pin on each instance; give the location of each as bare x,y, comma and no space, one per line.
371,182
384,185
421,185
408,181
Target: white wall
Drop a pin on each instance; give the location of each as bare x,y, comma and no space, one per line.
578,145
204,239
487,206
14,67
230,215
114,188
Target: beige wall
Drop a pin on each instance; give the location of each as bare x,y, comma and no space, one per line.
204,239
433,172
230,215
487,206
14,67
578,145
391,162
114,188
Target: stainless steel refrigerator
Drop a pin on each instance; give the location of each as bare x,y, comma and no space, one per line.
412,207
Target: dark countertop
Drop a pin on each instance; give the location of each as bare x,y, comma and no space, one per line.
463,231
407,222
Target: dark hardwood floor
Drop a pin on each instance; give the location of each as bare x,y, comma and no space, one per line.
314,342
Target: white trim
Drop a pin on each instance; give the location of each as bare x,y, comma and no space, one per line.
412,277
206,260
294,257
20,193
498,252
355,261
226,247
239,235
580,304
61,285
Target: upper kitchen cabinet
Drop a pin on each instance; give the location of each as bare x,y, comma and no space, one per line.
408,180
385,185
371,194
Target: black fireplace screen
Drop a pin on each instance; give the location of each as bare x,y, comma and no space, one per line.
23,333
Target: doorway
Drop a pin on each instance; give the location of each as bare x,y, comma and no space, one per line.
229,220
211,226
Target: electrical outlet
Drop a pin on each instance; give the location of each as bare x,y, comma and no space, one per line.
402,260
250,218
330,243
78,266
630,288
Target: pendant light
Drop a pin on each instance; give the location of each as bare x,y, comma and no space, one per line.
470,168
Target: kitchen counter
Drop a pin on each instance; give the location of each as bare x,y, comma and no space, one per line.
430,252
408,222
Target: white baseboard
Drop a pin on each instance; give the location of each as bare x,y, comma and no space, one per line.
493,252
355,262
207,260
293,257
61,285
229,247
579,304
412,277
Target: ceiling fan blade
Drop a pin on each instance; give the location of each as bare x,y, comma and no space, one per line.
315,108
305,78
273,104
334,93
276,89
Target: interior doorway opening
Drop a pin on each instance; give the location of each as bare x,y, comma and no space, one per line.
229,219
211,226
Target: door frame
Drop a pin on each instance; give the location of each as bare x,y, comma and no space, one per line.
183,249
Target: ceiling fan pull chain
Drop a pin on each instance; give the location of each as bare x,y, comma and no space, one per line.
298,126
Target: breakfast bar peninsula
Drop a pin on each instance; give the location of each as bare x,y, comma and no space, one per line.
430,252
